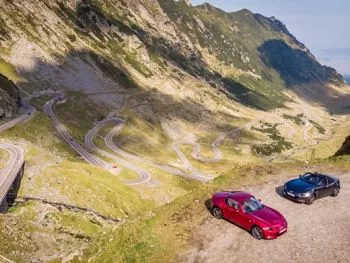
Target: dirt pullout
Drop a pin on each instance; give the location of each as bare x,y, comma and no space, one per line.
315,232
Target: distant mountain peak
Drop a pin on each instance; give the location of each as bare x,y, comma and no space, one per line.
280,25
187,2
245,11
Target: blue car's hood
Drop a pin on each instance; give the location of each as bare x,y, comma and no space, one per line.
299,186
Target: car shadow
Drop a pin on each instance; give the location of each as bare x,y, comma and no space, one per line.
208,204
279,191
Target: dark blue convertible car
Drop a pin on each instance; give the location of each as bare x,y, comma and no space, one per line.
311,186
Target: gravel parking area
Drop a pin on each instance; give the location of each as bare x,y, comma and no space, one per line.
316,233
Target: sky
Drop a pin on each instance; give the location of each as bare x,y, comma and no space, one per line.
322,25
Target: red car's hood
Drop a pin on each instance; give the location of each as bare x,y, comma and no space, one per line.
269,216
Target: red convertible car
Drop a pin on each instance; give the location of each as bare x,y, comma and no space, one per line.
246,211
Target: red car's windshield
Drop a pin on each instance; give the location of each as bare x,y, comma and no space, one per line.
251,205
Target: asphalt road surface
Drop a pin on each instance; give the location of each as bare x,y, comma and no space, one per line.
14,166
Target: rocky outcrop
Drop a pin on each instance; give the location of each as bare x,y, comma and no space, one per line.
9,98
345,149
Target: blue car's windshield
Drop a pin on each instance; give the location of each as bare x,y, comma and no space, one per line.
312,179
251,205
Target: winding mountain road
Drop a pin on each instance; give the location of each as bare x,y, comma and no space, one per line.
62,130
16,160
196,153
88,157
92,159
119,124
111,145
15,163
144,176
120,156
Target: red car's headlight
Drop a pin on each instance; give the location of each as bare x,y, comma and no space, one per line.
270,228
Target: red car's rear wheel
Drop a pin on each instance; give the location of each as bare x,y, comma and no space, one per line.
217,213
257,233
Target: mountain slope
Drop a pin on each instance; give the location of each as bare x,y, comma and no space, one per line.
252,43
248,56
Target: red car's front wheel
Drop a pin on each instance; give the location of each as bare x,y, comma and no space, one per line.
217,212
257,233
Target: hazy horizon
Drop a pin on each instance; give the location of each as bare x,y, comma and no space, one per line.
321,25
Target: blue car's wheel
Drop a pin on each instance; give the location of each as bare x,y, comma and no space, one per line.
336,192
311,200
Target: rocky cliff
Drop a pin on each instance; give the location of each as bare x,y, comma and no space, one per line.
9,98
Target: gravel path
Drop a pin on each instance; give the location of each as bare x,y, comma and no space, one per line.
316,233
